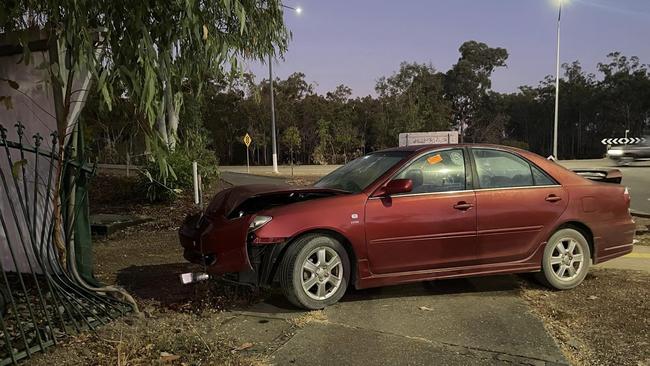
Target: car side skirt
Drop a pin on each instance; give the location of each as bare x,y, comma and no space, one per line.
530,264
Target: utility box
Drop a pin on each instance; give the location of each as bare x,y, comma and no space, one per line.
428,138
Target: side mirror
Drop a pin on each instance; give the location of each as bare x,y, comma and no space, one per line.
396,186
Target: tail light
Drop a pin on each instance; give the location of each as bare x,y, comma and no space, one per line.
626,196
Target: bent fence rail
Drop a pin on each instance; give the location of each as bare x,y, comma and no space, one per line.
42,298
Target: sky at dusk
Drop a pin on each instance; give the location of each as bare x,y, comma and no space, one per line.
355,42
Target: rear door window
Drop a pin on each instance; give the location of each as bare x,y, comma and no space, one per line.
501,169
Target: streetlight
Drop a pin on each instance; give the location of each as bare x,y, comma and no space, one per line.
557,78
298,10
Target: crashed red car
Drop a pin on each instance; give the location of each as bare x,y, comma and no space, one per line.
414,214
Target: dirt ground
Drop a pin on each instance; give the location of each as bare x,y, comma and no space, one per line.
178,325
604,321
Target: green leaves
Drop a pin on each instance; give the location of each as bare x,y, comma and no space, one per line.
146,46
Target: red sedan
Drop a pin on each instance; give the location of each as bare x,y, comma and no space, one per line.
413,214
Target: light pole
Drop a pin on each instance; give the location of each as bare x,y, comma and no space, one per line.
298,10
557,80
273,144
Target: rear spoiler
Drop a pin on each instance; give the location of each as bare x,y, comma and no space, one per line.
601,175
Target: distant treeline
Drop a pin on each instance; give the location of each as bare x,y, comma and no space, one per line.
335,127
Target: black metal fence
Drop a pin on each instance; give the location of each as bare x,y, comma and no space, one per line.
42,297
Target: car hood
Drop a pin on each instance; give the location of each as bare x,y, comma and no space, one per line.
246,199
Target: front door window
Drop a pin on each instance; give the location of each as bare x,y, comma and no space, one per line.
440,171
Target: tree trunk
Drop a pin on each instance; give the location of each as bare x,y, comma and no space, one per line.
172,107
161,125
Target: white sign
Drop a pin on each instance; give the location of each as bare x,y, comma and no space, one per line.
622,141
428,138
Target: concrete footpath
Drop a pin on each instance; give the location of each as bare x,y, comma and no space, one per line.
479,321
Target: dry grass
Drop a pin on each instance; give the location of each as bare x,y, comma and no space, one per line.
182,325
316,316
164,338
604,321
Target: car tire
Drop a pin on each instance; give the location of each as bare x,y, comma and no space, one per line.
309,281
566,260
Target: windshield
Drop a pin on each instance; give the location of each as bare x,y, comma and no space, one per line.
358,174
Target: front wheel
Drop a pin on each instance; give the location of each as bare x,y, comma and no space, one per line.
315,271
566,260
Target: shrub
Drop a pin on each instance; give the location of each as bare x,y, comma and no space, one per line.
163,181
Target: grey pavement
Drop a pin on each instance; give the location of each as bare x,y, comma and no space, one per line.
238,179
480,321
284,170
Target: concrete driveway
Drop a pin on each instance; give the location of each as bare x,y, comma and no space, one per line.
481,321
478,321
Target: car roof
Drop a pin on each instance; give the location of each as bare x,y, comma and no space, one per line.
419,148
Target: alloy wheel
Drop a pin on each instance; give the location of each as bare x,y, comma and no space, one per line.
567,259
322,273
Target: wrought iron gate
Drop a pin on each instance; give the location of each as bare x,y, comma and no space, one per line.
42,298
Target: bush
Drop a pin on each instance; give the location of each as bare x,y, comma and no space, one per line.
163,181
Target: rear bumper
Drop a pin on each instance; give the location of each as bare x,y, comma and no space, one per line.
615,252
614,240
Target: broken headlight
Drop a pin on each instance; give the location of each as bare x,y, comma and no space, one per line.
258,222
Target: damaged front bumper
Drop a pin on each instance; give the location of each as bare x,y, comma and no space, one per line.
226,247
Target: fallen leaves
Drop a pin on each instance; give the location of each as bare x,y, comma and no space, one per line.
166,357
242,347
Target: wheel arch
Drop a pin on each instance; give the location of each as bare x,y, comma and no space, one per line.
324,231
584,230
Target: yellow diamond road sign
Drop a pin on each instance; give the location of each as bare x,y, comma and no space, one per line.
247,140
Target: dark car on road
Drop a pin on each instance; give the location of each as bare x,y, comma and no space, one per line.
625,154
409,214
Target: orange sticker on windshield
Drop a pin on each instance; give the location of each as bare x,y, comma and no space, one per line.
434,159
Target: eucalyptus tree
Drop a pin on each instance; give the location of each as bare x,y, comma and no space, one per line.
150,47
413,100
141,50
468,82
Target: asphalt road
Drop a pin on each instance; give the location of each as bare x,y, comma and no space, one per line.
238,179
636,176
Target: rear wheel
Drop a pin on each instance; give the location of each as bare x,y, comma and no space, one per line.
566,260
315,271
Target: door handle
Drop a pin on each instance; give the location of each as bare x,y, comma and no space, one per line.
553,198
462,205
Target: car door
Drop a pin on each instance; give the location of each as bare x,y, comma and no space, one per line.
515,201
432,226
